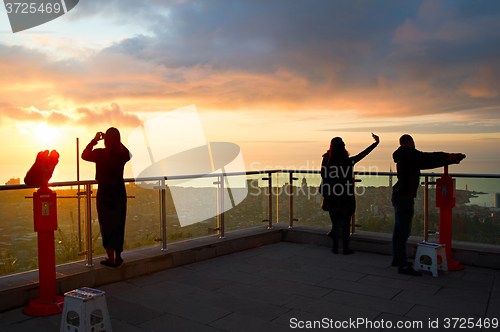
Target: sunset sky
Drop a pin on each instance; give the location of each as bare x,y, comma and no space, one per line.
279,78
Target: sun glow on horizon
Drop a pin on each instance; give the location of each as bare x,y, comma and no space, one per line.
46,133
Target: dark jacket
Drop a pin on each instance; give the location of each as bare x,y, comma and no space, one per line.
109,163
409,161
337,181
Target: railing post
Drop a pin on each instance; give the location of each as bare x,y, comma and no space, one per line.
290,201
79,220
220,207
277,198
163,215
221,224
426,208
89,224
269,201
218,204
78,195
353,217
158,239
162,210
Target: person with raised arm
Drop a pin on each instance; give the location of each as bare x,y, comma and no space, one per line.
337,188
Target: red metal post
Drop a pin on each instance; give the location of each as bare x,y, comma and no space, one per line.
445,200
45,222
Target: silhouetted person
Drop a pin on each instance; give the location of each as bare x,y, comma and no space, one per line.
409,161
337,173
111,194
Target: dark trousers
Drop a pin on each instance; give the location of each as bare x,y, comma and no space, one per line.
403,215
337,222
111,203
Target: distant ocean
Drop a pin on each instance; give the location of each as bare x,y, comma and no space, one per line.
488,186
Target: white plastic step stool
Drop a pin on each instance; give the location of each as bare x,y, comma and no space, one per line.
85,310
431,250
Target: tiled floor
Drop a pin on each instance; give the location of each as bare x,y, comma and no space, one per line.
285,286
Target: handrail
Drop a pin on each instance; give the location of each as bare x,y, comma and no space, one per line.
198,176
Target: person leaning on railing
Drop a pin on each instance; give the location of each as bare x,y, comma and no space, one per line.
409,161
337,188
111,197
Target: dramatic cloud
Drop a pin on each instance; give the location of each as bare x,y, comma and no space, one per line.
396,59
83,116
113,115
33,115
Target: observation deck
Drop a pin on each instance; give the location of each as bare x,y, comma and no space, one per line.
277,278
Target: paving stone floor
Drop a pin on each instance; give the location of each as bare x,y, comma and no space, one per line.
288,287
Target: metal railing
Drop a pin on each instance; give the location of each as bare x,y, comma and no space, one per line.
221,180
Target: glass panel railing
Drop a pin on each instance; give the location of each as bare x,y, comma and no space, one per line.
281,189
18,241
307,202
252,208
19,244
476,216
96,232
192,208
69,237
374,210
418,224
142,227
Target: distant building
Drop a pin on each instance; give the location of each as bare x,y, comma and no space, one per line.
13,181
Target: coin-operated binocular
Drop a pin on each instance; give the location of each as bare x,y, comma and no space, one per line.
40,173
445,201
45,222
